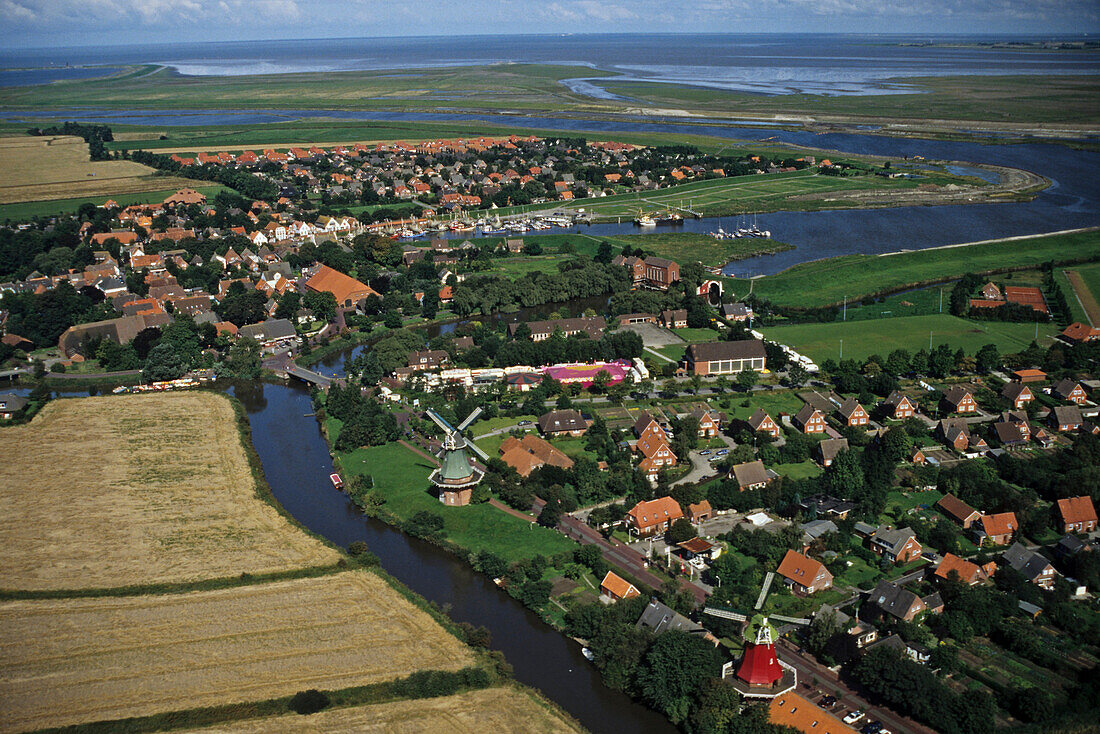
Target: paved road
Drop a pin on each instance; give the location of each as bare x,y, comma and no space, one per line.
830,683
701,469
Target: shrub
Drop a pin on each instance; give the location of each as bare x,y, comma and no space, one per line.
309,702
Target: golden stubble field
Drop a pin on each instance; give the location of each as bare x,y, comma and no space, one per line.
138,489
81,660
58,167
495,710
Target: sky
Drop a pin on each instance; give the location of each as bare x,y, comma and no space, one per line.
122,22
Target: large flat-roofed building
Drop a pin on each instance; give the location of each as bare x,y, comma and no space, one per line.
725,358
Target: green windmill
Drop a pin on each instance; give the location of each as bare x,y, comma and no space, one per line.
456,476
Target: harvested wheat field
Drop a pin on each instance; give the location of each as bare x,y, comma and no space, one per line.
138,489
80,660
496,710
36,168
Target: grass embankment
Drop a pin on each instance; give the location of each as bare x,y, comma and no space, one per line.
1081,285
864,338
827,282
401,476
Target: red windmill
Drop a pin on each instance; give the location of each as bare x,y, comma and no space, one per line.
759,665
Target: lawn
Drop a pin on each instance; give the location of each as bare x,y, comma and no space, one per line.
825,282
402,478
860,339
801,470
860,574
897,503
773,402
696,336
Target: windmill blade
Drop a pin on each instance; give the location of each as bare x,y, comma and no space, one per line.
480,454
469,419
439,421
764,591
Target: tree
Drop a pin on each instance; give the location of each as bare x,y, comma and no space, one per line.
844,477
163,363
746,379
987,359
289,303
681,531
601,381
674,670
550,515
243,359
242,306
797,375
322,304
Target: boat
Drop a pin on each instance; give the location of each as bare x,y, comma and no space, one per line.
588,654
669,217
644,220
336,480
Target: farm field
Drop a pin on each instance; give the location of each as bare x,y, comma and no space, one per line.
864,338
72,661
500,710
402,477
1084,296
25,210
138,489
39,168
827,282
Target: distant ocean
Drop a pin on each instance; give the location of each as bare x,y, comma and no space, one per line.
763,64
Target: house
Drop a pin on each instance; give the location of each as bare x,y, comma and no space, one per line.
955,433
1066,418
1078,332
1018,394
1034,566
968,573
958,510
1029,375
996,529
615,587
651,272
810,420
529,453
789,709
708,421
1011,434
829,448
656,454
735,312
761,421
959,400
675,319
750,475
347,290
10,404
803,574
637,318
823,504
724,358
1071,391
852,413
915,651
428,359
646,425
1077,514
653,516
562,423
900,545
699,512
659,618
271,333
1069,546
889,599
593,326
699,548
991,292
898,406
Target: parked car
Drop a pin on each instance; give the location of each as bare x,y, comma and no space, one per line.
871,727
827,702
853,717
723,452
705,452
524,423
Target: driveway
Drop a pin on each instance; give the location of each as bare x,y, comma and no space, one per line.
701,469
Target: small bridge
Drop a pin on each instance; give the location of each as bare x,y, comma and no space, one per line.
16,372
310,376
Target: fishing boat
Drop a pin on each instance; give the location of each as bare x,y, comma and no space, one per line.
644,220
669,217
336,480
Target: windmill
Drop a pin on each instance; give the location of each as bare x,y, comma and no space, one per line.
456,476
760,673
